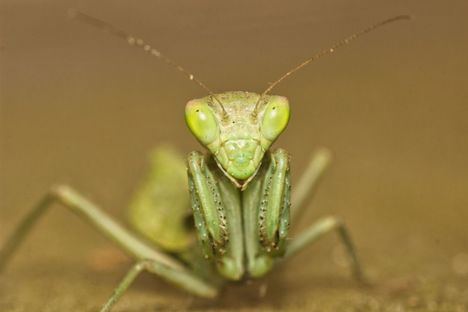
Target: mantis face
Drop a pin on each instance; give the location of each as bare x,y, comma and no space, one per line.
237,131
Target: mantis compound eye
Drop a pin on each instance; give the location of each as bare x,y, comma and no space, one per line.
275,118
201,122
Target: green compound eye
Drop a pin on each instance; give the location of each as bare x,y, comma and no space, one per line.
275,118
201,121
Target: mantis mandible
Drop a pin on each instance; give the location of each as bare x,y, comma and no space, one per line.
240,193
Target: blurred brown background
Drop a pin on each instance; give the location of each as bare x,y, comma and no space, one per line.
81,107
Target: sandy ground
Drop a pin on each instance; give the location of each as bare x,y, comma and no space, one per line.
80,107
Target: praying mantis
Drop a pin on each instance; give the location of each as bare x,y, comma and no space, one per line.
239,202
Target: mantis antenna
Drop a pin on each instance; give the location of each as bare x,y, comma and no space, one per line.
133,41
329,51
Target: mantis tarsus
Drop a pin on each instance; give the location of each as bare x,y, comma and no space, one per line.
240,193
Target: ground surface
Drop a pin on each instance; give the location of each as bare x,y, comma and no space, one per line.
83,108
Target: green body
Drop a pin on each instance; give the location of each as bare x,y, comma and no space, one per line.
239,191
238,202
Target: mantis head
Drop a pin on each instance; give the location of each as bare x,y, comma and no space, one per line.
238,128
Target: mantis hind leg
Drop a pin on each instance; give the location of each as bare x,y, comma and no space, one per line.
161,264
150,266
302,195
307,185
320,228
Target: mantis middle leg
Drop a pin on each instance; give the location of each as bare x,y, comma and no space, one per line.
155,261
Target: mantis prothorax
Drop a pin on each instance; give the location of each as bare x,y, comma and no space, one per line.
240,192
